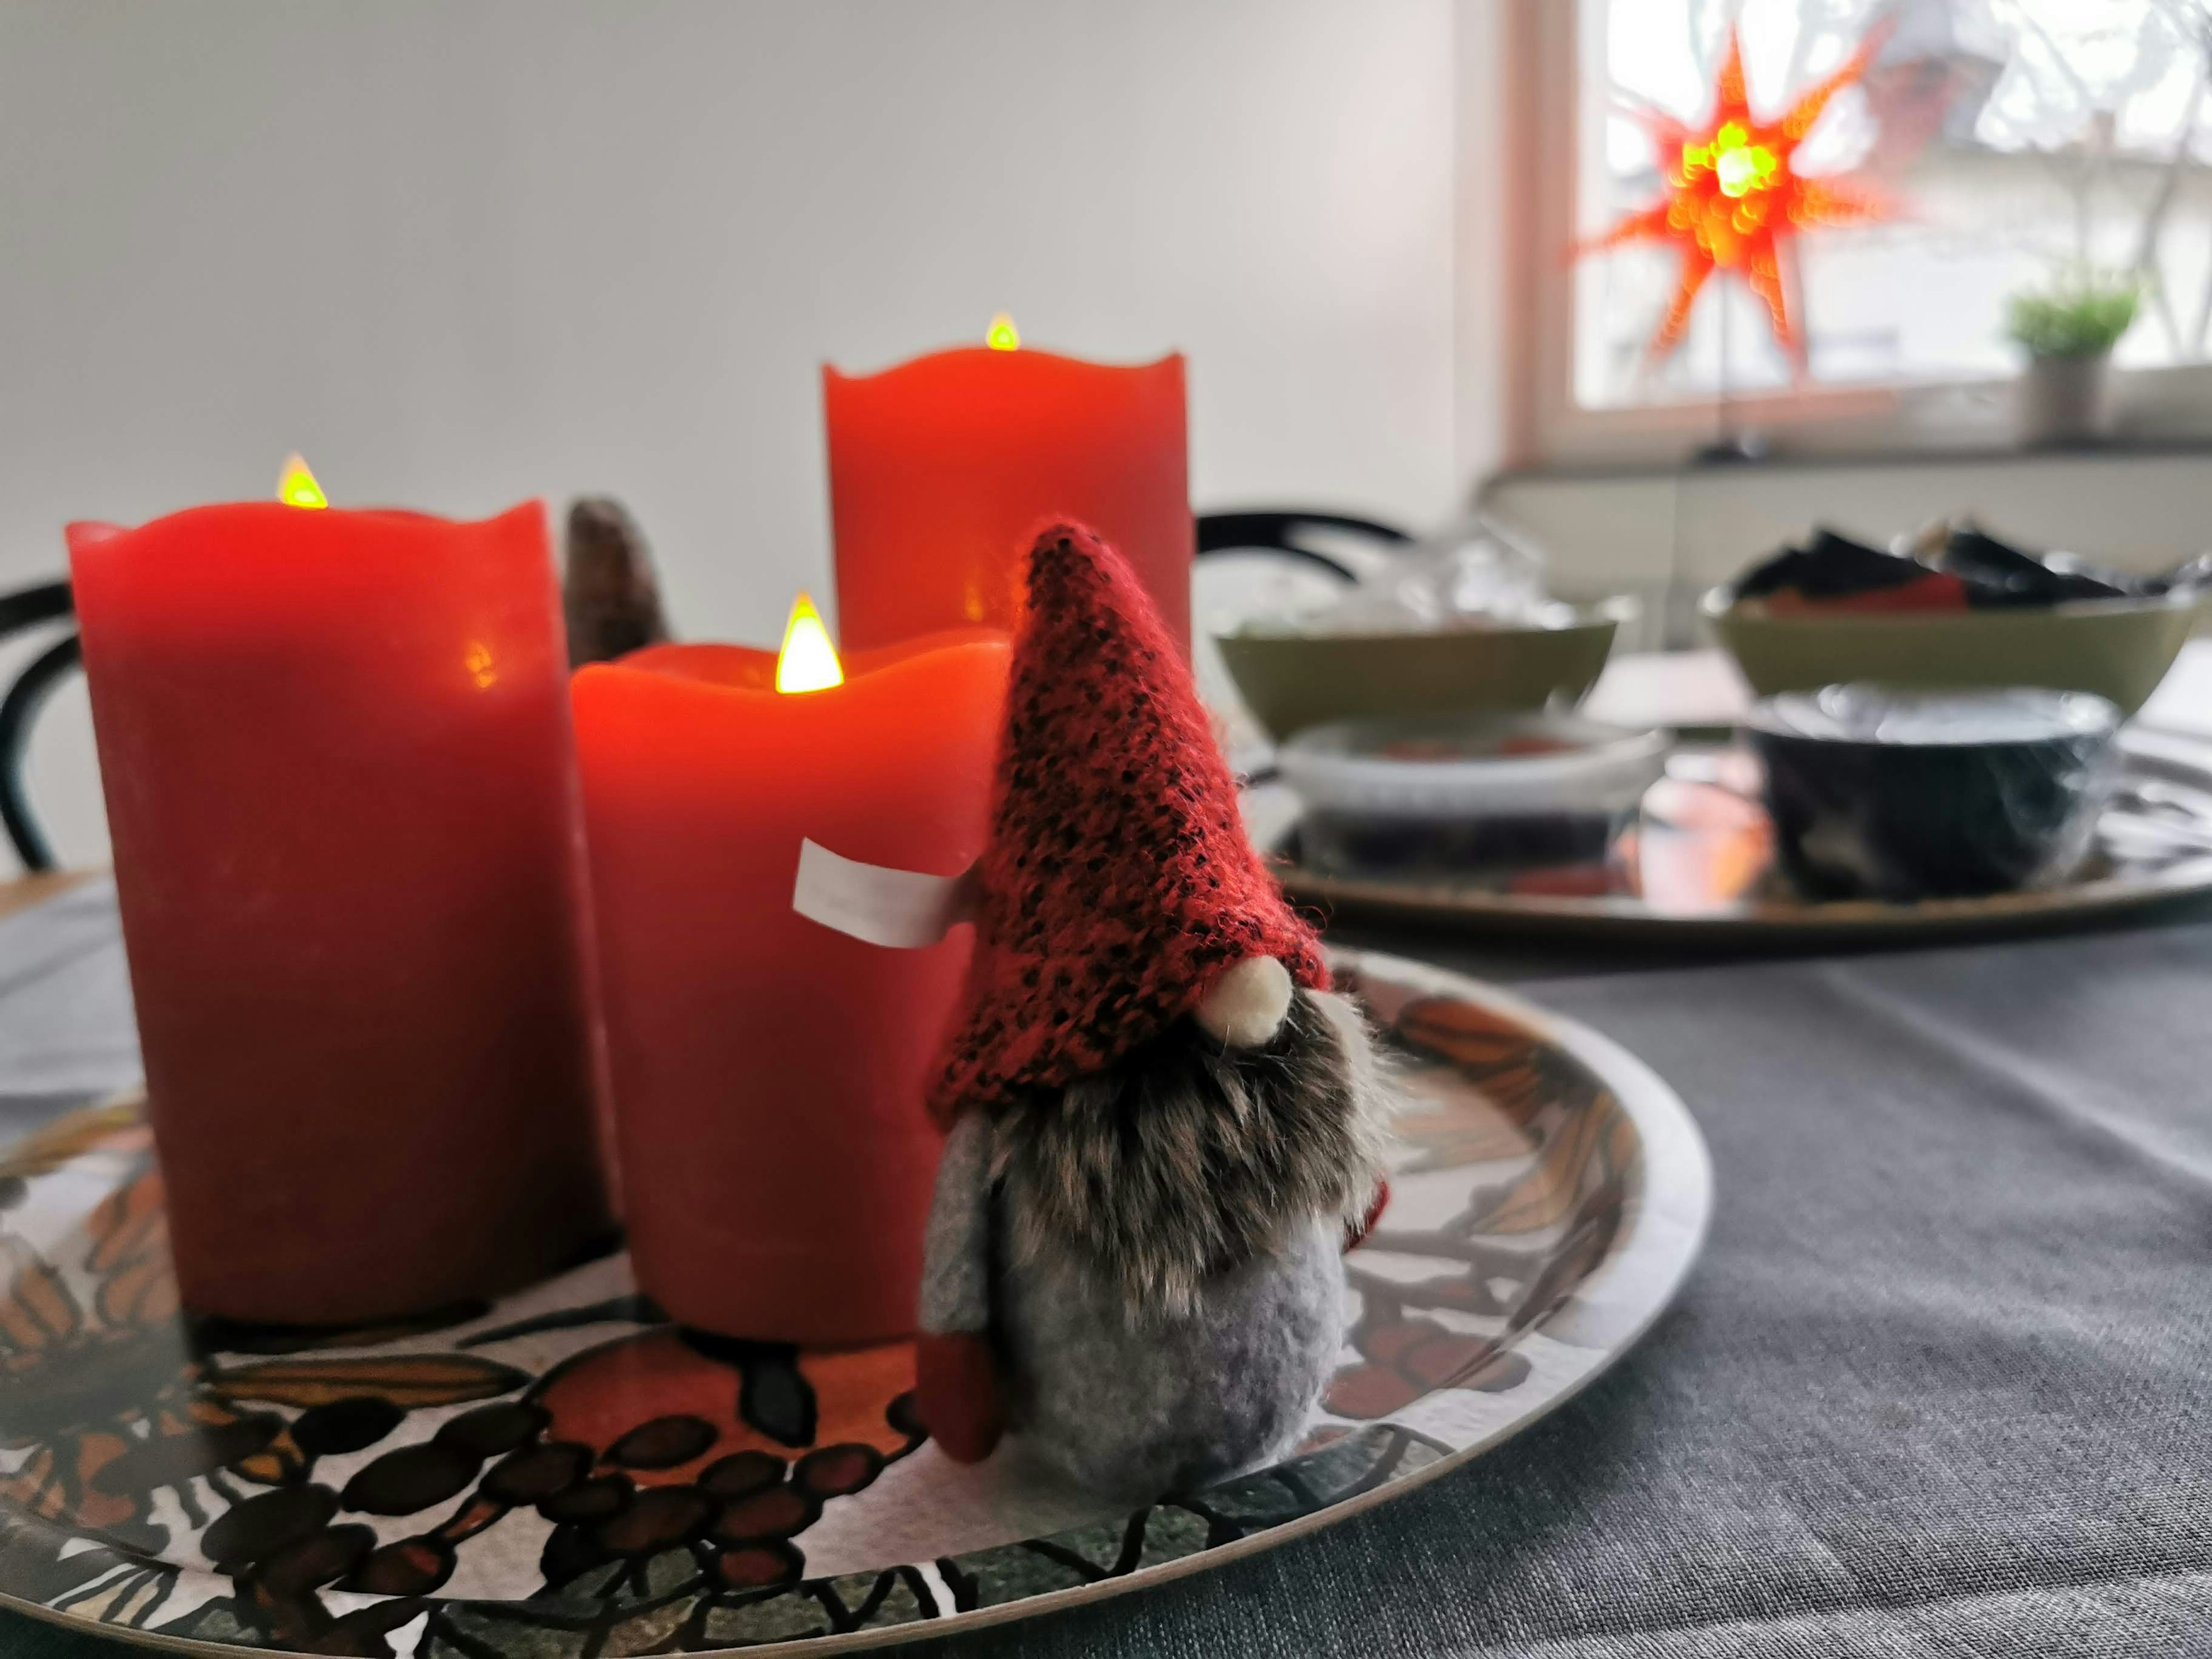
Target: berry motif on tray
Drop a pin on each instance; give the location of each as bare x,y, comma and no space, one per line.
569,1474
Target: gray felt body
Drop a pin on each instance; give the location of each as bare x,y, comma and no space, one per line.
1131,1408
1156,1250
956,1279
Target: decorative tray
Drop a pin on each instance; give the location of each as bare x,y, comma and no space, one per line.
567,1474
1697,866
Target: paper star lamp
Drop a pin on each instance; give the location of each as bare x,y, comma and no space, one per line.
1736,201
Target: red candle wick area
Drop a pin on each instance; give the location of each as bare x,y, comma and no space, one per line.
768,1070
942,469
342,794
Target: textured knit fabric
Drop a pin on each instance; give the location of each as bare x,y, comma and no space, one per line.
1118,883
1942,1383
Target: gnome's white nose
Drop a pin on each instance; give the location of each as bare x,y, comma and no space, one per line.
1247,1005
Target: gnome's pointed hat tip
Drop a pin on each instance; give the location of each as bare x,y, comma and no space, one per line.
1119,890
1058,538
1066,555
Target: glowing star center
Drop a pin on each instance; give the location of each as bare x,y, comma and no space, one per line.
1002,335
1734,201
296,486
1742,168
1738,166
808,662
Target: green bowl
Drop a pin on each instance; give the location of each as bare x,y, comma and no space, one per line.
1292,681
2119,648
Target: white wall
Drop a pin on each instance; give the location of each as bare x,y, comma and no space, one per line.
461,251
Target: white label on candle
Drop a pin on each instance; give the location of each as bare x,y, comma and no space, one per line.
904,909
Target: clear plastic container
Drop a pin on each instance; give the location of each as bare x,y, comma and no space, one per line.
1878,793
1461,796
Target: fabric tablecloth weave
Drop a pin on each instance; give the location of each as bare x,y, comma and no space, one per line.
1942,1383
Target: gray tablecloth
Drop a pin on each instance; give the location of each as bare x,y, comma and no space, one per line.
1939,1384
65,1025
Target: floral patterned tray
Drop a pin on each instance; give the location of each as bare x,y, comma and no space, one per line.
567,1474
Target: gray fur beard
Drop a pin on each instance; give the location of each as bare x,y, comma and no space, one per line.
1188,1158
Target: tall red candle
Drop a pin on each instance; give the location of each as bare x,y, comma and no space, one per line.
939,469
342,794
777,1162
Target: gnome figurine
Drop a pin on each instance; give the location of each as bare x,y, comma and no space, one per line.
1163,1127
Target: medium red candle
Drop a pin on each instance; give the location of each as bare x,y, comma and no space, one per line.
342,795
940,468
777,1162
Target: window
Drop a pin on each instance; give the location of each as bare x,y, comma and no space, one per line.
2009,139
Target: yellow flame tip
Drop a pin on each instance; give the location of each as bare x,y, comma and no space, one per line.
808,661
296,486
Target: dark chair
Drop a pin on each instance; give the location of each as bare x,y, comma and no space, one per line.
1281,529
28,609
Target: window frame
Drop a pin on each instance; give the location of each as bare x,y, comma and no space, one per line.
1905,420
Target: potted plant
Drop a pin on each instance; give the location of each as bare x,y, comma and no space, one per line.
2069,331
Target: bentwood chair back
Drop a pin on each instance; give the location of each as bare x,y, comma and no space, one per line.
1288,530
32,607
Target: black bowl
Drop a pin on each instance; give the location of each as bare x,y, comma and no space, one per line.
1878,793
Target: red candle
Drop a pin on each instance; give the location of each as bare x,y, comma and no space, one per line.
940,468
777,1162
341,794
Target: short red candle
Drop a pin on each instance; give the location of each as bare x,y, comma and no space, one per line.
777,1162
342,794
940,469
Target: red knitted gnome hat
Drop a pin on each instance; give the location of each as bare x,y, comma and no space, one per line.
1118,885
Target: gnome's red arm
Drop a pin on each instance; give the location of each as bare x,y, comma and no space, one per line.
1355,1236
957,1393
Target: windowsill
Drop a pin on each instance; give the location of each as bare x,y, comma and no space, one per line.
1783,460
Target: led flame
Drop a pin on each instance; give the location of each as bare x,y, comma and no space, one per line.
808,662
1002,335
296,486
478,660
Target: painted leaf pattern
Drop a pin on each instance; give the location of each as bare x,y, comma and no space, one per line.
118,1125
407,1381
671,1483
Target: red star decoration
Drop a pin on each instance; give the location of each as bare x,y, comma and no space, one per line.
1735,199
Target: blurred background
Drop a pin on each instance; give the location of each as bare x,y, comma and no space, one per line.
464,252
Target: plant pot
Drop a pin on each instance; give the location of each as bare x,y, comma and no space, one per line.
2066,400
